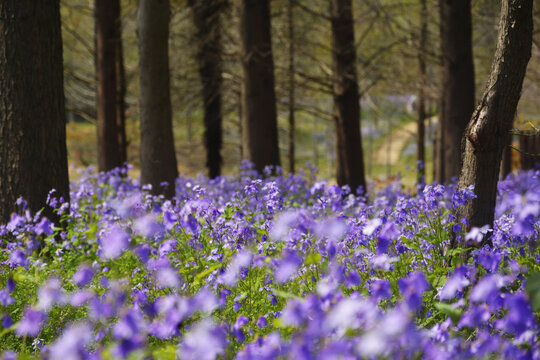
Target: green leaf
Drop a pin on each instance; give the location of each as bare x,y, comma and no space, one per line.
284,294
165,353
447,309
228,212
313,259
533,289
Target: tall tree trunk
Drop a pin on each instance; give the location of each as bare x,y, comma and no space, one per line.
350,162
438,147
33,156
108,45
206,16
506,162
121,99
486,133
158,157
421,129
292,71
458,81
259,135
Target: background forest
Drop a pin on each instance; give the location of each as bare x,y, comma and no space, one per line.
388,48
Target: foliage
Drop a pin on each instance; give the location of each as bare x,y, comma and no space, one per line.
258,267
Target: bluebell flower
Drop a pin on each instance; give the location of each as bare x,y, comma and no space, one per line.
31,323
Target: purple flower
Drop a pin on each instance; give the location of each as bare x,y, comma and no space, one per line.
80,297
205,301
9,355
223,293
476,234
114,242
489,259
382,262
237,306
240,261
486,289
44,227
7,322
31,323
50,293
167,277
5,298
412,288
387,234
10,285
18,258
519,317
129,325
147,226
261,322
380,289
237,331
72,343
372,226
287,267
142,252
457,282
204,341
83,276
475,316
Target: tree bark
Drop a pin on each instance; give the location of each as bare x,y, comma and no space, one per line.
291,74
33,156
506,162
158,157
206,16
121,99
458,82
259,134
350,162
486,133
111,131
421,105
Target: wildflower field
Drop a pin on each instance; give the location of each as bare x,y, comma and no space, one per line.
274,267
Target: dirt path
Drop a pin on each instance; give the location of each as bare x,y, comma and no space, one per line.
394,144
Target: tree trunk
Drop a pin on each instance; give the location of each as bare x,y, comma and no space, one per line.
158,157
111,135
33,156
506,162
529,147
292,71
421,106
206,16
259,135
121,99
458,81
350,162
486,133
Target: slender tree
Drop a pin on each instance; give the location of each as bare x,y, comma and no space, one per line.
207,19
506,161
486,133
259,115
350,162
457,97
421,105
291,75
33,157
158,157
121,99
111,123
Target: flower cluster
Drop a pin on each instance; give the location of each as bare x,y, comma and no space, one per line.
272,267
